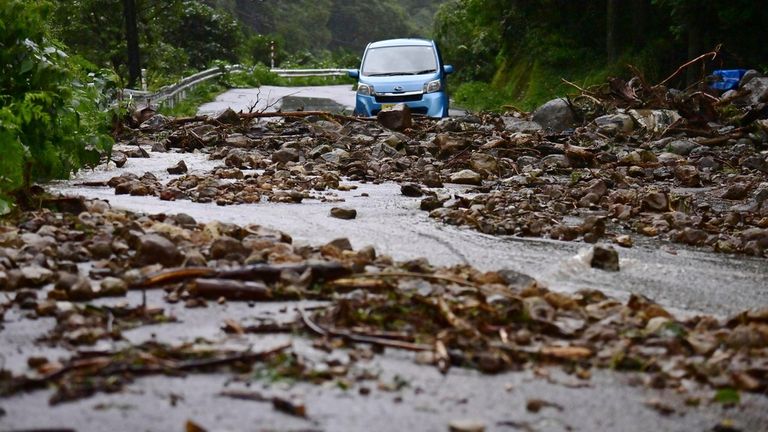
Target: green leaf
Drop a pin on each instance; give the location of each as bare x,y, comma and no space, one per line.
728,396
5,207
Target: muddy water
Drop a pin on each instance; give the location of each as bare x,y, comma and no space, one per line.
683,279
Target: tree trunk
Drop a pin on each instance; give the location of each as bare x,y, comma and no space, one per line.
639,10
612,34
132,39
694,50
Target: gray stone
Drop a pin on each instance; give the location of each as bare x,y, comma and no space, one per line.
654,120
613,124
514,124
157,121
682,147
555,115
119,158
335,156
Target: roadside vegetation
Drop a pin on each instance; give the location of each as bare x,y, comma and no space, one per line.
516,52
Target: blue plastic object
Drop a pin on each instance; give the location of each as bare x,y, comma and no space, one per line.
727,79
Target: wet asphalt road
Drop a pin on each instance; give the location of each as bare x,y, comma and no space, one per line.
685,280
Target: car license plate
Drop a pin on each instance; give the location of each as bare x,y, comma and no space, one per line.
385,106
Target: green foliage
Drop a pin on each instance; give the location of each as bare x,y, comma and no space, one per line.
51,112
727,396
201,94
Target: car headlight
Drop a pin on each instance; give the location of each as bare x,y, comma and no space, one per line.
432,86
364,89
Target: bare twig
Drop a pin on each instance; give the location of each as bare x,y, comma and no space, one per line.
712,54
358,338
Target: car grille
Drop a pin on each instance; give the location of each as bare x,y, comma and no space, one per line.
398,98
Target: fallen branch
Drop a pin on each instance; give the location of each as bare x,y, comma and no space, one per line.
358,338
262,272
414,275
713,54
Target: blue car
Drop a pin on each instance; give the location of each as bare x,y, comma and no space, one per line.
408,71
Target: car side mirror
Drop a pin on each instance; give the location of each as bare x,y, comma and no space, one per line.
353,73
448,69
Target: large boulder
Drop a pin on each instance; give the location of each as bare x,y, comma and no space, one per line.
397,118
555,115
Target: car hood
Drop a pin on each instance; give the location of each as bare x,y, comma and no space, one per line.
405,83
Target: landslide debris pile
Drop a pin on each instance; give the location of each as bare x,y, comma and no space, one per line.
618,162
450,317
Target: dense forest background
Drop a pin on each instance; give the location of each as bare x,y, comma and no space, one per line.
505,51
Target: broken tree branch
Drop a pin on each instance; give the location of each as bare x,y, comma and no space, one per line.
358,338
713,54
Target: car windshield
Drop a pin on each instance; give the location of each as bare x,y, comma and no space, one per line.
399,60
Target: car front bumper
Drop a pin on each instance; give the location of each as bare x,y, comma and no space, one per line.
430,104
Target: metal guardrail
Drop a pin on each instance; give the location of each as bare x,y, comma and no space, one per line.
170,95
290,73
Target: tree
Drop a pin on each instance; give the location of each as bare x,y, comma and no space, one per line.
132,42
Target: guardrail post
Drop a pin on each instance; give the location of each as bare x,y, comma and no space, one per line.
143,80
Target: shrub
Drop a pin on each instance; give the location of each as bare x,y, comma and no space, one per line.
52,113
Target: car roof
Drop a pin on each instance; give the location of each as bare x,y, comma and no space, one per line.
400,42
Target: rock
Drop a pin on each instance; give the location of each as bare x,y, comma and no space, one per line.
556,161
286,155
35,276
179,168
624,241
555,115
655,202
397,118
692,236
156,249
482,162
654,121
614,124
450,144
335,156
514,124
342,243
605,258
320,150
467,177
464,425
113,287
119,158
752,91
226,246
430,203
681,147
736,191
156,122
229,117
688,175
411,190
755,162
343,213
382,150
